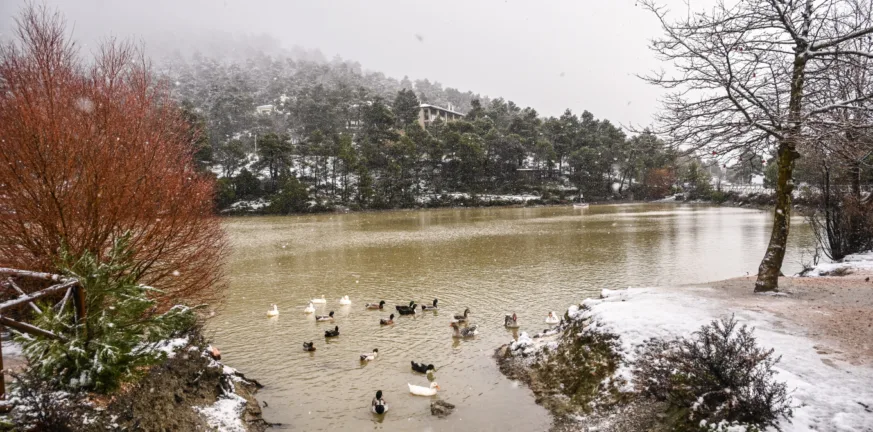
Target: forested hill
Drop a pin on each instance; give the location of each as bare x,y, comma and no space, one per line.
335,135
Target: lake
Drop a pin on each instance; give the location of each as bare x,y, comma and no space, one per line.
495,261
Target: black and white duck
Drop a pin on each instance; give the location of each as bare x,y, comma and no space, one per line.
388,321
378,406
370,356
510,321
328,317
406,310
375,306
308,346
423,368
427,308
465,332
332,333
463,318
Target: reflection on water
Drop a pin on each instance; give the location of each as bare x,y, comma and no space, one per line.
494,261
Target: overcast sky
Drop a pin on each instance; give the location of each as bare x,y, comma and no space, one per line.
550,55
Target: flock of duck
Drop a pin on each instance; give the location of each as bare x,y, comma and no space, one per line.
378,405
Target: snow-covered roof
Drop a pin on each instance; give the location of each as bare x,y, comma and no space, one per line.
440,108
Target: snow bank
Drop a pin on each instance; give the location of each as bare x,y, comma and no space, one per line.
827,397
861,261
225,414
12,348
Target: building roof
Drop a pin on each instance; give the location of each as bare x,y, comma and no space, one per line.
440,108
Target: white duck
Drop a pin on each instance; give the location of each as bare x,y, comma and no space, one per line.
345,301
309,309
318,300
273,312
552,318
424,391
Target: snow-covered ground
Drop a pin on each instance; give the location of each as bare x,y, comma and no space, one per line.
856,262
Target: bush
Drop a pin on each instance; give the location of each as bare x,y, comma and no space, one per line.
718,376
39,405
117,335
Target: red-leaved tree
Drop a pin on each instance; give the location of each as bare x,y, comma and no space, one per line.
95,149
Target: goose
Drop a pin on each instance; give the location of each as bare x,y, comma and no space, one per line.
328,317
308,346
332,333
318,300
510,321
423,368
465,332
388,321
552,318
426,307
406,310
424,391
345,301
309,309
273,312
462,318
371,356
375,306
378,406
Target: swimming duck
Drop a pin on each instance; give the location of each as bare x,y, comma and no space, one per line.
423,368
309,309
424,391
378,406
375,306
318,300
426,307
345,301
406,310
328,317
388,321
332,333
371,356
465,332
510,321
462,318
273,312
308,346
552,318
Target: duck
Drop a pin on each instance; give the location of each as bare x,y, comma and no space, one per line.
308,346
424,391
273,312
309,309
552,318
328,317
345,301
423,368
388,321
465,332
462,318
318,300
371,356
332,333
406,310
426,307
375,306
378,406
510,321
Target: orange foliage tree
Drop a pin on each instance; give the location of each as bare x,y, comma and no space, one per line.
95,149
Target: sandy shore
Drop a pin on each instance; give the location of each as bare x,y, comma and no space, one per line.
835,312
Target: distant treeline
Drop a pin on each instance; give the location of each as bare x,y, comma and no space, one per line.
335,135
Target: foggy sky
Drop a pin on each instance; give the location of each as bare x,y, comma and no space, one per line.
550,55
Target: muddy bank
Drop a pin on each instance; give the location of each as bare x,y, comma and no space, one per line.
190,390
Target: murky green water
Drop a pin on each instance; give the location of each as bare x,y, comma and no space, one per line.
494,261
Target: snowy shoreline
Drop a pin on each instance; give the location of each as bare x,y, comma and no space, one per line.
827,366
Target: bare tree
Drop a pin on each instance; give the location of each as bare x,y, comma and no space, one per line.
743,79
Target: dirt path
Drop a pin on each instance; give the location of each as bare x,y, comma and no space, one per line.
836,312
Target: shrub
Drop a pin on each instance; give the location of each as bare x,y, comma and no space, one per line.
117,335
95,148
718,376
39,405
